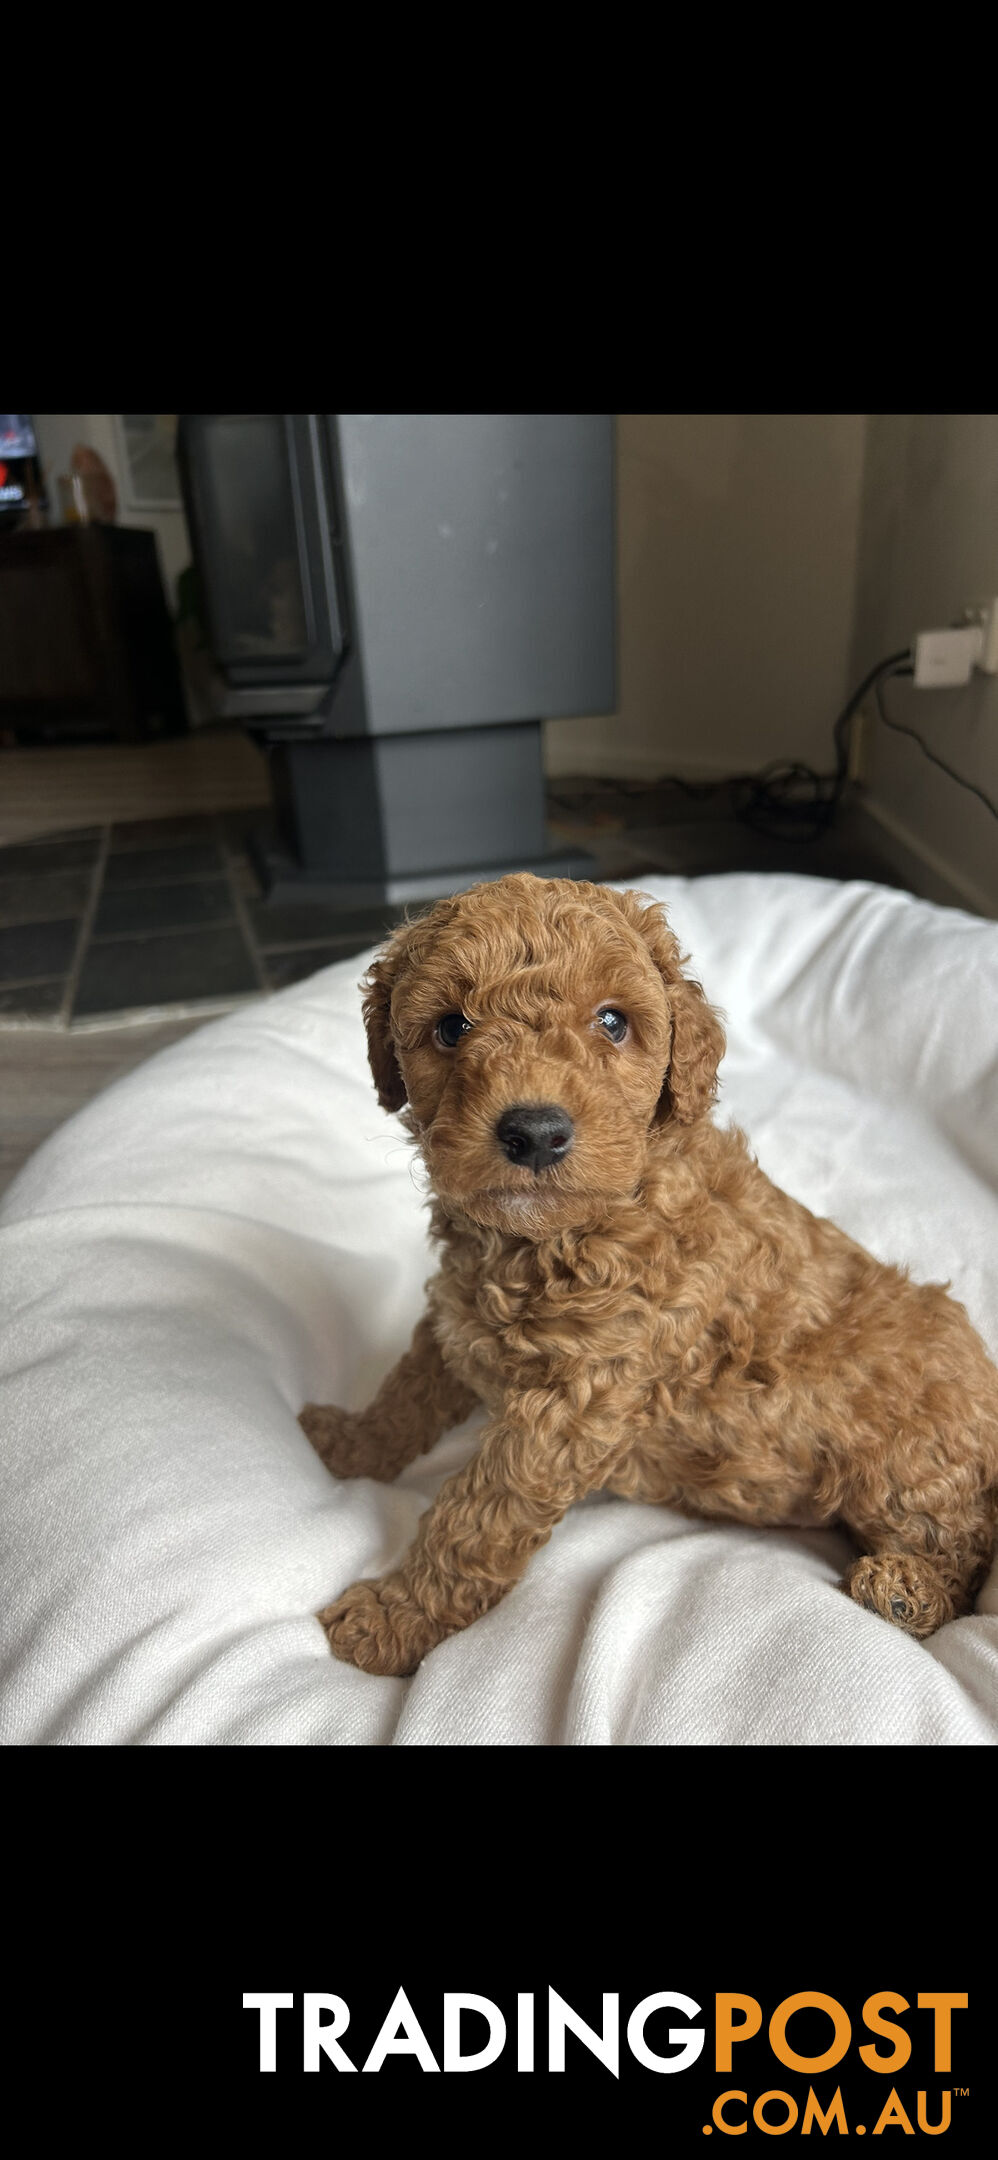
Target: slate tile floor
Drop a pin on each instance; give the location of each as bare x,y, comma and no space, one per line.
168,912
161,913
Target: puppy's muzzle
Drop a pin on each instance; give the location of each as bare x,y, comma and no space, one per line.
534,1135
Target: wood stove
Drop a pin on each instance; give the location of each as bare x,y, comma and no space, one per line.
397,602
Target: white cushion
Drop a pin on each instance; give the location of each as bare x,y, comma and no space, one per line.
236,1228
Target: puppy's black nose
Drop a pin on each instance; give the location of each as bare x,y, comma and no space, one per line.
535,1134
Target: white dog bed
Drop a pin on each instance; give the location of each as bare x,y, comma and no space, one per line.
237,1228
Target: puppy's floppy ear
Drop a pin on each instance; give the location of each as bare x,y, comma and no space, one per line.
377,986
697,1035
697,1050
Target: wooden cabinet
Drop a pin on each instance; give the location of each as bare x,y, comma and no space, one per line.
86,642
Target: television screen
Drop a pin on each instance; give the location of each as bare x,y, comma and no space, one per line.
19,476
17,436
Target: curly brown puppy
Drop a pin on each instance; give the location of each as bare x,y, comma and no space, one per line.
639,1307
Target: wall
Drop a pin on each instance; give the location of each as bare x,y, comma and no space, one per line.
58,435
765,562
928,548
737,550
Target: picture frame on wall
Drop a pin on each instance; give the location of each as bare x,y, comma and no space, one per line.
147,450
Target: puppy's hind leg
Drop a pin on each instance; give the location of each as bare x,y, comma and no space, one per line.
914,1590
920,1574
417,1402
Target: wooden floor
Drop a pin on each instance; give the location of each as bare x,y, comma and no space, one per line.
56,789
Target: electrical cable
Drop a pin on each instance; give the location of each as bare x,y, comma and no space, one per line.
788,800
900,729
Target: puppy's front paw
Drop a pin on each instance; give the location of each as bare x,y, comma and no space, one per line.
377,1627
342,1439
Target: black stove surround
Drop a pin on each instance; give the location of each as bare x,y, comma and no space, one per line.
397,602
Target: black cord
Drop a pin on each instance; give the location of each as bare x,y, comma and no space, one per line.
787,800
899,663
900,729
792,802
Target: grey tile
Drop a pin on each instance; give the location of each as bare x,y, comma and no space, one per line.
684,850
615,855
290,967
30,950
164,865
705,848
145,833
44,857
254,823
164,971
245,875
616,805
696,832
47,897
294,922
142,908
32,1001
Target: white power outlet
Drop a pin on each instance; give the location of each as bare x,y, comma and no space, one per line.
945,659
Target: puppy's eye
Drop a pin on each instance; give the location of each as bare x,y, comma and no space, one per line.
613,1023
450,1029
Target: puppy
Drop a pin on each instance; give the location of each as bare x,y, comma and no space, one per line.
638,1306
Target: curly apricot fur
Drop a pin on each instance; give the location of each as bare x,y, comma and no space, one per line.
649,1314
